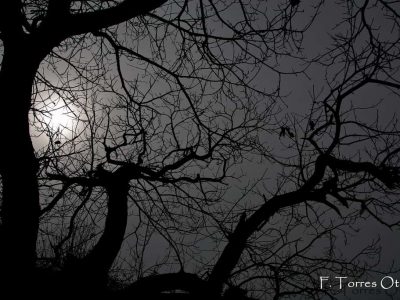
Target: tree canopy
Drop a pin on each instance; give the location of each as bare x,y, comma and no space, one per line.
195,148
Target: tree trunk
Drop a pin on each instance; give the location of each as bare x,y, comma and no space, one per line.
101,257
18,165
90,273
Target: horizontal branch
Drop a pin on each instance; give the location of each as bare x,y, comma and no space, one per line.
385,82
68,25
390,176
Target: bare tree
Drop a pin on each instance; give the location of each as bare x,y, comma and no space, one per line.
133,127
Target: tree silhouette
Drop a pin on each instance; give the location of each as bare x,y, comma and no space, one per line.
135,136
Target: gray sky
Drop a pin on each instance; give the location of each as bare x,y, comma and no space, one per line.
299,102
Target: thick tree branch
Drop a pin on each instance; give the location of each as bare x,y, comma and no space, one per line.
245,228
385,82
58,8
81,23
390,176
11,19
100,259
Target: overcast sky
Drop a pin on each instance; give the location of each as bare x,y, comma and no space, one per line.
299,102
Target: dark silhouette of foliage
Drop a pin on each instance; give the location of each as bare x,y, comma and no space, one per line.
135,135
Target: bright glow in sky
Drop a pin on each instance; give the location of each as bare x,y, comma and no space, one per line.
54,118
60,116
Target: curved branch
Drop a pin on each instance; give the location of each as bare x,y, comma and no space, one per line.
245,228
100,259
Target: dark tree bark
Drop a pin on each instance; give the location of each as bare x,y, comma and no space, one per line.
177,141
23,53
95,266
18,165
